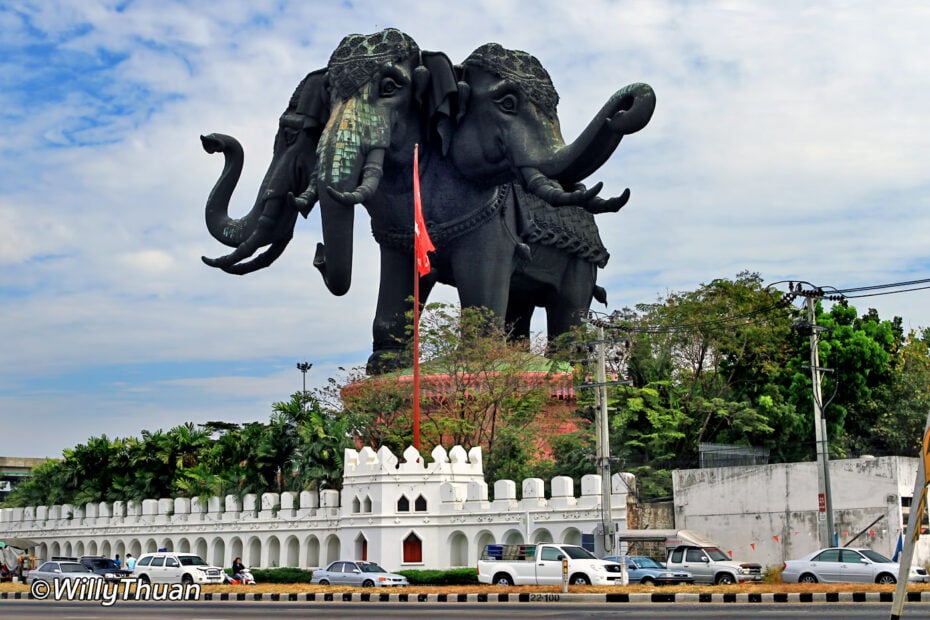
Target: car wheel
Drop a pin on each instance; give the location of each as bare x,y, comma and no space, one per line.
144,579
581,580
807,578
648,581
886,578
324,582
368,583
725,579
187,579
503,579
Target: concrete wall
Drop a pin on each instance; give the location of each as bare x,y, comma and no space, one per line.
769,513
446,501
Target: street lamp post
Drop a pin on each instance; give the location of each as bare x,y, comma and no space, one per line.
303,367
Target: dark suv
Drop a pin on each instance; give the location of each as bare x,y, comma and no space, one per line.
105,567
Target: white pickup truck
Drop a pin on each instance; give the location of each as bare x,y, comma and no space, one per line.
541,564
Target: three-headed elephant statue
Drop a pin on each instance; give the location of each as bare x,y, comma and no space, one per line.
501,190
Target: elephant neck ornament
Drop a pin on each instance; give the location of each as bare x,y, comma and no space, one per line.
502,192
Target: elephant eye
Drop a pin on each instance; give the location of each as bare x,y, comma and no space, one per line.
388,87
508,103
290,136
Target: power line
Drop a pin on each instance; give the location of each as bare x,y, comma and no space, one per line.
883,286
833,294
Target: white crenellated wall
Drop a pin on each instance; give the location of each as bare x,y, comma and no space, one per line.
449,517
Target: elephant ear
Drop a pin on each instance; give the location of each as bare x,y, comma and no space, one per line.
313,100
438,98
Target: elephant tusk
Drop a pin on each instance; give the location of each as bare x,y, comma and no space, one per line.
267,231
610,205
261,261
552,192
304,203
372,172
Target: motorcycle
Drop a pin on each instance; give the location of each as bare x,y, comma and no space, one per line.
246,578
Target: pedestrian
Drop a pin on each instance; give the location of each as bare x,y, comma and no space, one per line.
130,562
237,568
119,563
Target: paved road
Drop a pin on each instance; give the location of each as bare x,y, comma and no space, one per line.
207,610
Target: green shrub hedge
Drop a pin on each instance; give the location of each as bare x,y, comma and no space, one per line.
452,577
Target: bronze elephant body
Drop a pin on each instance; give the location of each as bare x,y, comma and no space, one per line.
502,198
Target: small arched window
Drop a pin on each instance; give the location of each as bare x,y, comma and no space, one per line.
356,505
420,504
403,504
366,505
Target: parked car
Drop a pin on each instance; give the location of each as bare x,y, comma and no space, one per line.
348,573
643,569
105,567
170,567
843,564
62,570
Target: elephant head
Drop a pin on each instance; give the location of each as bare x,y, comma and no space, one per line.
380,93
271,220
508,124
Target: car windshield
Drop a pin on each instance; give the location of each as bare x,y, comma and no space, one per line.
191,560
101,563
578,553
716,554
371,568
875,557
646,563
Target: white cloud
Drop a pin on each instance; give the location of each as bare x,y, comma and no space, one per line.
789,139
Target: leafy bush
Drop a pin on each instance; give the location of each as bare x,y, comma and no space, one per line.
773,574
452,577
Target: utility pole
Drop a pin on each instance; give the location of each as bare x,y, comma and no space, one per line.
825,528
607,529
603,443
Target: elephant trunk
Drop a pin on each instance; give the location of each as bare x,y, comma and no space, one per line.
626,112
227,230
351,157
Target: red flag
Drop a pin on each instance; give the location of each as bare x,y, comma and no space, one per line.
421,241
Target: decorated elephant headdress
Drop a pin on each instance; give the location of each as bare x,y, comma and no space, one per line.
359,56
522,69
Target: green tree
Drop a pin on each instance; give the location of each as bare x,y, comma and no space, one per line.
704,367
902,404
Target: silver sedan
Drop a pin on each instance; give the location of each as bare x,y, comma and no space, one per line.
349,573
62,571
843,564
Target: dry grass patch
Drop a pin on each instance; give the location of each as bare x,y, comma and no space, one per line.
303,588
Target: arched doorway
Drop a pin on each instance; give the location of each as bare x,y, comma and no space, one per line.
458,549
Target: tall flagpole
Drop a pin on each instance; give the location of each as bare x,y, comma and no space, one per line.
422,245
416,299
416,348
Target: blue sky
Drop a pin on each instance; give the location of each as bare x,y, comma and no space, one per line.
790,139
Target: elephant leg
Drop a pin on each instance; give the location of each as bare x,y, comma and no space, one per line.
482,263
395,294
519,316
573,299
